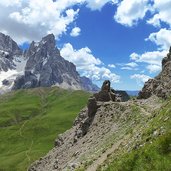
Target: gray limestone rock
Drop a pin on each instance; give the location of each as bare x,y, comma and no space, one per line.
105,94
48,67
26,81
8,50
9,45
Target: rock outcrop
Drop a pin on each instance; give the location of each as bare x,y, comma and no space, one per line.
161,84
109,94
106,94
121,95
86,116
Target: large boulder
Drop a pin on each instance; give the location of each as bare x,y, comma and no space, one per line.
26,81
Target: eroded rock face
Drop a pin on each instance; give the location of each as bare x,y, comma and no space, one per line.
161,84
25,81
86,116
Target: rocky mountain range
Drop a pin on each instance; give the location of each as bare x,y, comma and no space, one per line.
41,65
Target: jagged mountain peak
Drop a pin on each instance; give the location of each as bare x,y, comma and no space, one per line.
50,38
48,42
46,67
8,51
41,65
44,48
12,62
7,44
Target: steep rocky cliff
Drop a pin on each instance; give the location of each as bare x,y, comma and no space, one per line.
161,84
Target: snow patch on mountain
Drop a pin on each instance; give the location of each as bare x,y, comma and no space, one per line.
11,75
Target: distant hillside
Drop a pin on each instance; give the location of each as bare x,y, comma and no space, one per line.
132,92
31,119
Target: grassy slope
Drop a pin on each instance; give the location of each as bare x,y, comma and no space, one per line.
154,150
30,121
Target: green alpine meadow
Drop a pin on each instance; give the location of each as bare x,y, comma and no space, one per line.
30,120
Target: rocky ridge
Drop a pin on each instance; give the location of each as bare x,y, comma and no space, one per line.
161,84
105,121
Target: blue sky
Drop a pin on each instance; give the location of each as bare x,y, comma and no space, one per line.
120,40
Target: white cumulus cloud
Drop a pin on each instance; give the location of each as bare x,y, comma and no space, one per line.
130,66
151,59
129,12
162,12
140,78
87,64
98,4
162,38
75,32
111,66
153,68
33,19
